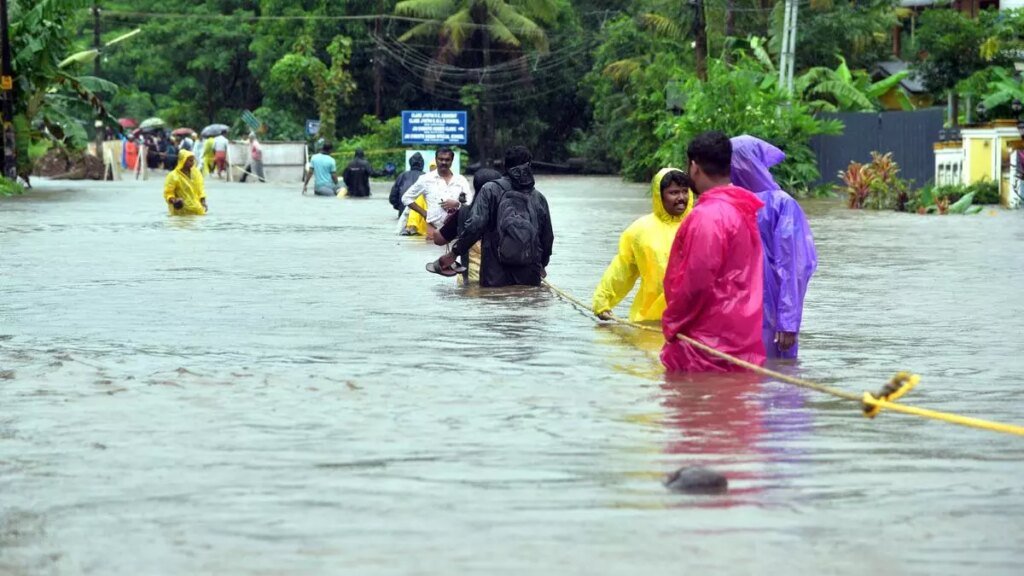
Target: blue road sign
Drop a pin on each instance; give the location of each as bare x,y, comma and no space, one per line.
434,127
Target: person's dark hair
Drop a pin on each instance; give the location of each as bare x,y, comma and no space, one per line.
326,147
676,177
483,176
712,151
223,132
359,153
517,156
444,150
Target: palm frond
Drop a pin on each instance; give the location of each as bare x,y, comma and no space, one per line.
501,33
426,30
434,9
662,26
544,11
620,70
523,27
459,27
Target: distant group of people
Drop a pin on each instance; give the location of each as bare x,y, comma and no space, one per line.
184,185
323,170
498,229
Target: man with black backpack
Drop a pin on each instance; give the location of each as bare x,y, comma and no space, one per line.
512,220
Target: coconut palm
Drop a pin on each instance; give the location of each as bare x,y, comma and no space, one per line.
476,34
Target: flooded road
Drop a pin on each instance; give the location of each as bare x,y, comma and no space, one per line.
280,388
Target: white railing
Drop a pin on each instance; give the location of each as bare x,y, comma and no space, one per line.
949,166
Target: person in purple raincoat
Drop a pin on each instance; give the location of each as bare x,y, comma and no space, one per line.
789,255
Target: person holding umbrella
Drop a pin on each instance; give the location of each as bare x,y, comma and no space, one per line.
220,152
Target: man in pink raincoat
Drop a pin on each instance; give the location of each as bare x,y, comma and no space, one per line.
714,279
789,255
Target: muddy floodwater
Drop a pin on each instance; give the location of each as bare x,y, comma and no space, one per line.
280,388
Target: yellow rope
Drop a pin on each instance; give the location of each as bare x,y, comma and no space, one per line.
871,404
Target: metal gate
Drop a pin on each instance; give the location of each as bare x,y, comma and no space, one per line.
908,135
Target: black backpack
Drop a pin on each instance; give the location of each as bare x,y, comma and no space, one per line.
518,228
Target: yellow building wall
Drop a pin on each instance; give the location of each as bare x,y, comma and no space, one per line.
979,154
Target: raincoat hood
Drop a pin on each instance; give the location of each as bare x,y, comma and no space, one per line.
659,206
416,162
751,159
184,155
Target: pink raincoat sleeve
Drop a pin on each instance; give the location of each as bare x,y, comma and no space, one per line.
687,294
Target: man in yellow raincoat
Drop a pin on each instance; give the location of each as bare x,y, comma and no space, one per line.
644,249
183,187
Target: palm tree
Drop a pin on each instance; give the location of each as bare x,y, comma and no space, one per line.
476,33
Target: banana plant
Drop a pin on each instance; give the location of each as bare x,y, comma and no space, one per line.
845,90
1003,89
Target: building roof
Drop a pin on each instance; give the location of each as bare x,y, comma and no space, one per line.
911,83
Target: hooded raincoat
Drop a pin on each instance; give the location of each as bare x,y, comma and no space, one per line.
713,284
789,254
188,187
643,253
405,180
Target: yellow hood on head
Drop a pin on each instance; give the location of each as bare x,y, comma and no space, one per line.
184,155
659,206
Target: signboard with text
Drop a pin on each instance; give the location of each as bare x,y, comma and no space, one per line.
434,127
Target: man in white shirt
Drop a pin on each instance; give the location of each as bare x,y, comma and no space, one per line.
220,153
442,189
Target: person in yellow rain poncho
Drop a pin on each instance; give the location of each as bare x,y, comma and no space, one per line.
208,156
416,224
644,249
183,187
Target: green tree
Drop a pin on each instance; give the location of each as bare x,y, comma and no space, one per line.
190,69
951,43
742,99
47,88
331,80
858,30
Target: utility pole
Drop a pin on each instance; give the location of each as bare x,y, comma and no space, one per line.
787,59
700,40
96,69
378,54
6,97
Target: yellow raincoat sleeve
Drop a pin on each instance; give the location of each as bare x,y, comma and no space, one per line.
170,187
619,277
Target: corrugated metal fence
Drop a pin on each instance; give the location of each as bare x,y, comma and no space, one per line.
908,135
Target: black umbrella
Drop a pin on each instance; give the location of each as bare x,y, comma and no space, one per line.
213,130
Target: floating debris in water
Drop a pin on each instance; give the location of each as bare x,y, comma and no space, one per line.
694,480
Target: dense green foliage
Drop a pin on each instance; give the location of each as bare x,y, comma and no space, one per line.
744,99
609,81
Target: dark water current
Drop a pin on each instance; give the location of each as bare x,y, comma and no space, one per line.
279,388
